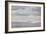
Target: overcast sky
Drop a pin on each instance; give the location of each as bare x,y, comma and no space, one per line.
25,10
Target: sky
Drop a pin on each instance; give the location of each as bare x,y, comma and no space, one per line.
26,10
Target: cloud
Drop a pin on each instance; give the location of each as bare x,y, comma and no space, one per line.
26,10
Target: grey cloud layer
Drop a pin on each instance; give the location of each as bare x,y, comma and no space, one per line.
26,10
